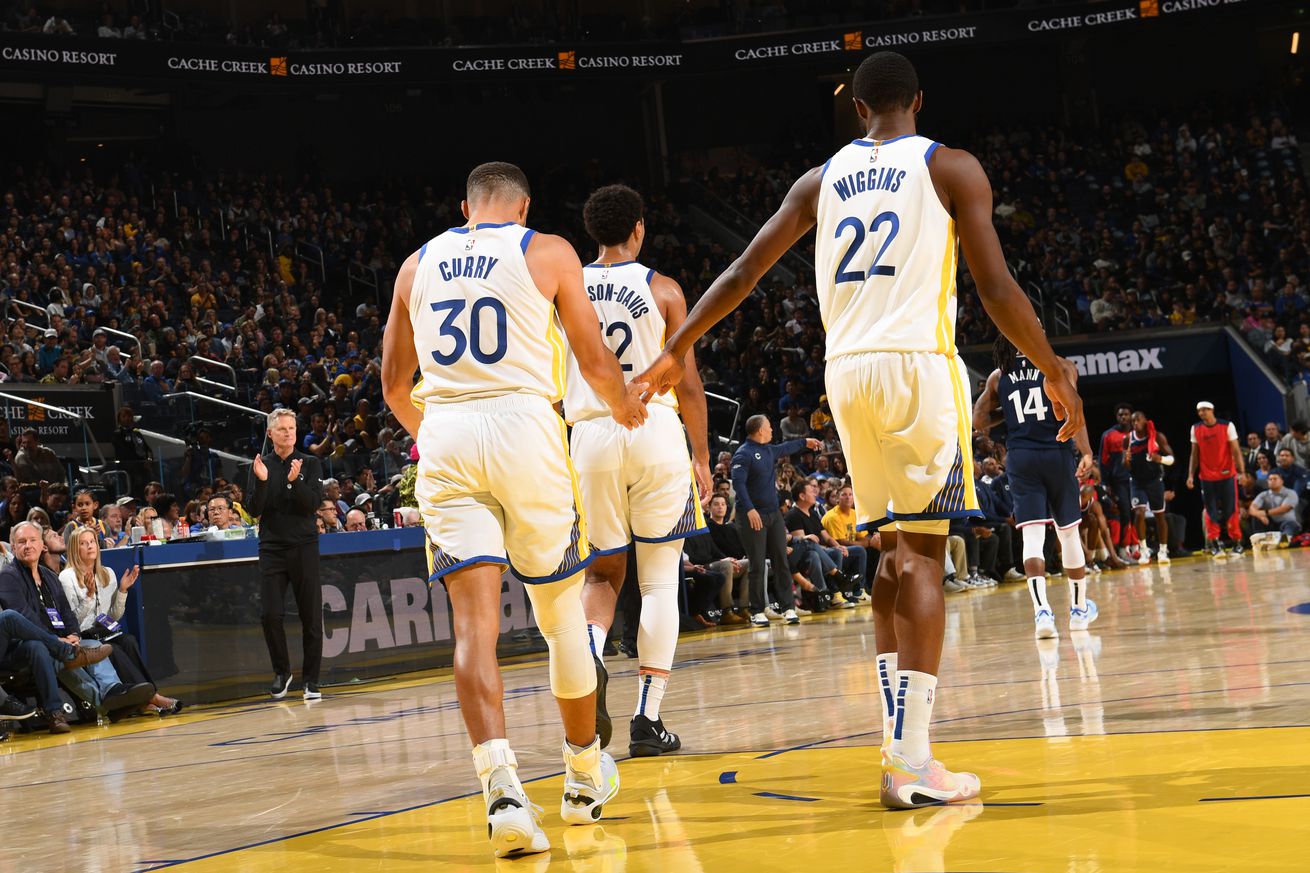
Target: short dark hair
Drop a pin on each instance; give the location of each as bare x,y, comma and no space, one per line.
219,495
611,213
799,488
1119,406
496,179
886,82
1274,473
754,423
1299,426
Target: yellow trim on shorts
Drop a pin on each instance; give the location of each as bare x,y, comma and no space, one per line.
695,496
963,432
584,544
557,372
945,339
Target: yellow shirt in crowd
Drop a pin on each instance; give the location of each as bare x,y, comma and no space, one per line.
840,524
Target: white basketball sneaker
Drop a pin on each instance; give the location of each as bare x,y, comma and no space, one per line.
1045,623
1079,619
1162,556
1144,556
513,822
591,779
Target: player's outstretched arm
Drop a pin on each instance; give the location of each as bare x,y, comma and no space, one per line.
557,272
691,391
793,219
399,357
965,184
987,410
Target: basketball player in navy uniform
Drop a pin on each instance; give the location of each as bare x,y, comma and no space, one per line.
1146,454
890,211
638,488
1044,478
477,311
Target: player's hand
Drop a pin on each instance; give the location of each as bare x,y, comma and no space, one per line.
753,516
1154,459
662,375
704,484
1191,483
1065,402
1084,467
261,471
294,470
812,444
632,412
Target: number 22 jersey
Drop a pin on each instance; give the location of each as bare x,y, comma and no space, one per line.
481,327
885,251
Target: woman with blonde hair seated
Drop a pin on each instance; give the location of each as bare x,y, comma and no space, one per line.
99,600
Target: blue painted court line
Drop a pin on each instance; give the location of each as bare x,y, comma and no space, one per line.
786,797
728,778
1300,609
1254,797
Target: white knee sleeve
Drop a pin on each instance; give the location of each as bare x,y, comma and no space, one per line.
659,570
557,607
1071,548
1034,542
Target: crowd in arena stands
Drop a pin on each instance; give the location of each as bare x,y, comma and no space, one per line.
327,24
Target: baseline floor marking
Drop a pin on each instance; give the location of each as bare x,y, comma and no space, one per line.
1254,797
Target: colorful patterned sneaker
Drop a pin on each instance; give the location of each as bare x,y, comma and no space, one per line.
888,727
1045,623
1079,619
513,822
905,786
591,779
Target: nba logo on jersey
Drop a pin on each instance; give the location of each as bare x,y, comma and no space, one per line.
873,155
468,245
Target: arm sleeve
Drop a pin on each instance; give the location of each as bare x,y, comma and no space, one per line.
739,471
790,447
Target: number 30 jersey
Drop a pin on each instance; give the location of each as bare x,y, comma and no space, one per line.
630,324
481,327
885,251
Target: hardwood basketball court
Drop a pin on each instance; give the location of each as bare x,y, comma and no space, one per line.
1175,734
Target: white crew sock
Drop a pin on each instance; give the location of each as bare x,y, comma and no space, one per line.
1078,593
1037,590
887,684
650,691
914,698
596,635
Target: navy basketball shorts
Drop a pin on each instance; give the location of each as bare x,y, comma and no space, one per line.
1149,495
1043,486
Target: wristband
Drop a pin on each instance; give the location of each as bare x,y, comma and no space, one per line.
1167,460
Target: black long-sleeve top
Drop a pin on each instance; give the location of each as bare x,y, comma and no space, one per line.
286,509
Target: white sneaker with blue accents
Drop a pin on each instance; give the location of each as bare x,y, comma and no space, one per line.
1079,619
1045,622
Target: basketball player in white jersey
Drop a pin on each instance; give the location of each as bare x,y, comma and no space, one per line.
477,311
637,486
888,209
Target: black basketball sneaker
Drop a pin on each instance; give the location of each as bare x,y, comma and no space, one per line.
650,739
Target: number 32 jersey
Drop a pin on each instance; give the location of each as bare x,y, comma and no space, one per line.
481,327
885,251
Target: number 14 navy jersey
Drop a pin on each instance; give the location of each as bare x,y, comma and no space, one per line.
1030,423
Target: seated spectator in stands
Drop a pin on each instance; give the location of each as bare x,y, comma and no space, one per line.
327,513
145,518
1272,436
704,588
356,521
85,509
1262,467
222,514
734,598
364,502
30,589
411,517
95,593
233,491
1293,474
793,425
111,522
321,441
152,492
169,511
1275,509
1297,441
155,385
53,556
55,502
194,516
999,525
840,523
36,463
822,469
845,566
318,523
50,352
25,644
332,491
980,551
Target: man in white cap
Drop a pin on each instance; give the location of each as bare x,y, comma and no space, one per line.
1217,461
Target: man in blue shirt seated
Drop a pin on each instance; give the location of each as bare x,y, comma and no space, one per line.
221,514
759,521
